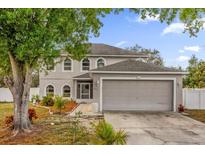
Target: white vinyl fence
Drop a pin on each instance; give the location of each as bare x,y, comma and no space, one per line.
5,94
194,98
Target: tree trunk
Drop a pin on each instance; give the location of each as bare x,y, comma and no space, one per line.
19,86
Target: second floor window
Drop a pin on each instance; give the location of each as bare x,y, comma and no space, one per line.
67,65
85,64
100,63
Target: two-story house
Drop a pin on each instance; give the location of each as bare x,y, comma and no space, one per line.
112,78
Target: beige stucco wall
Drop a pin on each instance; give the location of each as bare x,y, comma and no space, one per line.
58,77
96,84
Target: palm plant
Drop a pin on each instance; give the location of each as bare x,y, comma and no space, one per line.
59,103
105,134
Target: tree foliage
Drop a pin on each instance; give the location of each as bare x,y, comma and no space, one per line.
196,76
32,38
193,18
154,55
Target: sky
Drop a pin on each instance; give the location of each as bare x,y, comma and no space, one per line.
127,29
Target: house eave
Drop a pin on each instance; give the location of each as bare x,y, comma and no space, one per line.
103,55
82,78
137,72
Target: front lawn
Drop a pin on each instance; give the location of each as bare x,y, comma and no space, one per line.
196,114
60,129
47,129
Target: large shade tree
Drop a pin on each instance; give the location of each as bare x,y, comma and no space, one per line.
32,38
196,76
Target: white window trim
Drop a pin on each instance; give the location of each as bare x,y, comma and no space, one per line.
139,78
45,92
71,66
81,65
81,89
96,62
70,90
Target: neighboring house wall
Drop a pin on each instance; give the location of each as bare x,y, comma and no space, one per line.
5,94
194,98
58,78
96,84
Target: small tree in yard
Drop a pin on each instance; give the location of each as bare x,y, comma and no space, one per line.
30,39
59,103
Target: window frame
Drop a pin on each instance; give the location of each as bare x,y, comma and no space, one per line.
96,64
46,94
82,65
63,91
71,62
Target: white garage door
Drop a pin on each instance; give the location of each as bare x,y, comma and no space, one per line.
131,95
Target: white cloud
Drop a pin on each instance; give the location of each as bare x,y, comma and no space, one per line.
174,28
181,51
183,58
148,19
118,44
192,48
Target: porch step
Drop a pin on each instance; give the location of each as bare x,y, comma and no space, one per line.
85,109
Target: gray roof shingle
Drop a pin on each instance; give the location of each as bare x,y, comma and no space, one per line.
135,66
83,76
104,49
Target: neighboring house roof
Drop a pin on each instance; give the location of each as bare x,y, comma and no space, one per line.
136,66
82,76
104,50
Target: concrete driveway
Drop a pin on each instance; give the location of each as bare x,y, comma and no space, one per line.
158,128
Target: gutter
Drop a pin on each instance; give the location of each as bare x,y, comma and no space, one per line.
136,72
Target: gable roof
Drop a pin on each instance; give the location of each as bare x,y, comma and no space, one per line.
135,66
104,49
82,76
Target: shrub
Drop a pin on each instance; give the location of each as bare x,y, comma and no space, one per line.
32,114
59,103
180,108
35,99
9,120
70,105
47,101
105,134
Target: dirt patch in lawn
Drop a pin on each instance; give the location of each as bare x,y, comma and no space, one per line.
54,130
196,114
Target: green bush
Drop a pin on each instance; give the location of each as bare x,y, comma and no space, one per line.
47,101
35,99
59,102
106,135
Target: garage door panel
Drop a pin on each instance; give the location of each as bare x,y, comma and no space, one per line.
137,95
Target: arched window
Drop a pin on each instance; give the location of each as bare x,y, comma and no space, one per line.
67,65
85,64
66,91
100,63
50,90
